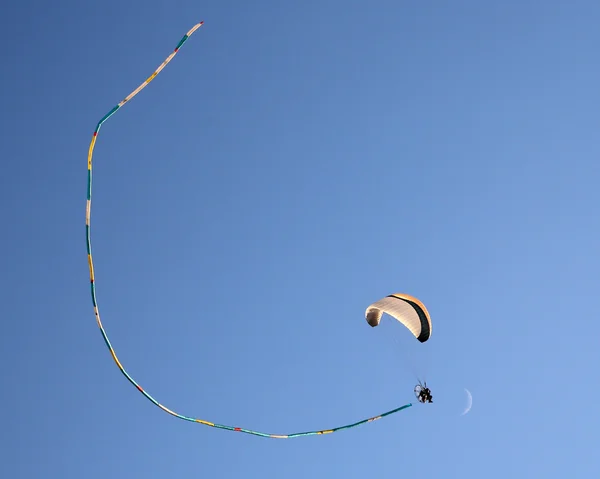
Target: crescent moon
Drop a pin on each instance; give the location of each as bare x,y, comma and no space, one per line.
470,399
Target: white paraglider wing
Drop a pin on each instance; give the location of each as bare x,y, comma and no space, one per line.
406,309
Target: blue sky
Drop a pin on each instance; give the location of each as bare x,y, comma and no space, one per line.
294,163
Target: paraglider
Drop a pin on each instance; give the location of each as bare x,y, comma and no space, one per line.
408,310
413,314
423,393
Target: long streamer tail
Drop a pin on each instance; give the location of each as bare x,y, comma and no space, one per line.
93,283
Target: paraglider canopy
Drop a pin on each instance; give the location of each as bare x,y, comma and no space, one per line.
406,309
